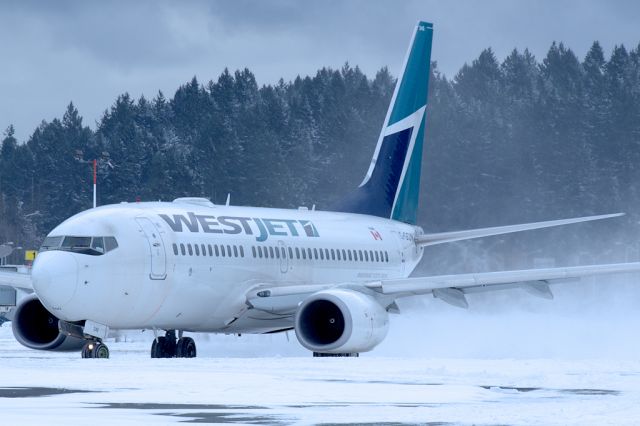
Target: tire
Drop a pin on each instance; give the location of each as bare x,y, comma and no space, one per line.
163,348
157,347
100,350
86,351
186,348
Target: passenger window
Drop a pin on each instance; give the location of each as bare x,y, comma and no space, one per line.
235,251
175,249
326,254
215,247
271,254
377,257
210,250
277,253
338,253
197,249
366,255
204,249
304,254
333,254
182,249
241,251
222,251
190,249
283,252
253,251
309,254
321,254
260,252
350,258
228,250
297,253
290,253
386,256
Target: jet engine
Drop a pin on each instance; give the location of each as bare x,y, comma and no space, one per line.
36,328
340,321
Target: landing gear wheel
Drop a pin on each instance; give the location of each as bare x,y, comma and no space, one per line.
163,347
100,350
186,348
86,350
95,350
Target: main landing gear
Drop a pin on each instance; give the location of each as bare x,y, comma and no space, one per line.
95,349
168,347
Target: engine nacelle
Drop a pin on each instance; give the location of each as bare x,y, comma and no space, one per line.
36,328
341,321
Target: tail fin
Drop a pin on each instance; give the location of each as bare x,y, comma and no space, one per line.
391,186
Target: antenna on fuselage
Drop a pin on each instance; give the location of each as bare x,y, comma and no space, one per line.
228,202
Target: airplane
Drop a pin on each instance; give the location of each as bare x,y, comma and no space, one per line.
331,276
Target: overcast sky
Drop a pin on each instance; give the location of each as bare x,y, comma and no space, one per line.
90,52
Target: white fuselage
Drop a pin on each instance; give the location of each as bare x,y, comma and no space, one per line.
189,266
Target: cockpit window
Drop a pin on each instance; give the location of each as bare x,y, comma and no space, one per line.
71,243
97,244
51,243
110,243
94,246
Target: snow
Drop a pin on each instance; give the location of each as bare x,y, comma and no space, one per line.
227,383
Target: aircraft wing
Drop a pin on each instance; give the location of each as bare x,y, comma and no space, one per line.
449,288
452,288
12,278
447,237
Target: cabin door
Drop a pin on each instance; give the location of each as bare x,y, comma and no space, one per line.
156,247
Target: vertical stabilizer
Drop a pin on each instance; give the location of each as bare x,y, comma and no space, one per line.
391,186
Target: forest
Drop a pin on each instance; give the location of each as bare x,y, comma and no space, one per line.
505,142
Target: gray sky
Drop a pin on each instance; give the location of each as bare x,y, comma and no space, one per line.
90,52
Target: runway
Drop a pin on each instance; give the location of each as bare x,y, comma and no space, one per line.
131,388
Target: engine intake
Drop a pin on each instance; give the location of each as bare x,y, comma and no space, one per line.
36,328
341,321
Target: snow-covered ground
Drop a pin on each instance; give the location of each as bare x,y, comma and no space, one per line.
269,380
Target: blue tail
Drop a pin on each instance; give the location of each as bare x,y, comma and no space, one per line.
391,187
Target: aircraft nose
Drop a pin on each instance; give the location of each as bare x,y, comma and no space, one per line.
55,278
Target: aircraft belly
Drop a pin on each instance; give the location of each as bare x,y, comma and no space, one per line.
204,298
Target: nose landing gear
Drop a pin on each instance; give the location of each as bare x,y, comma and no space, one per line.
95,349
167,347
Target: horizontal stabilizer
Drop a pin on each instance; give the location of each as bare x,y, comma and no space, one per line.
448,237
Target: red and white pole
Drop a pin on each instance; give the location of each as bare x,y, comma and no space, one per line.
95,179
